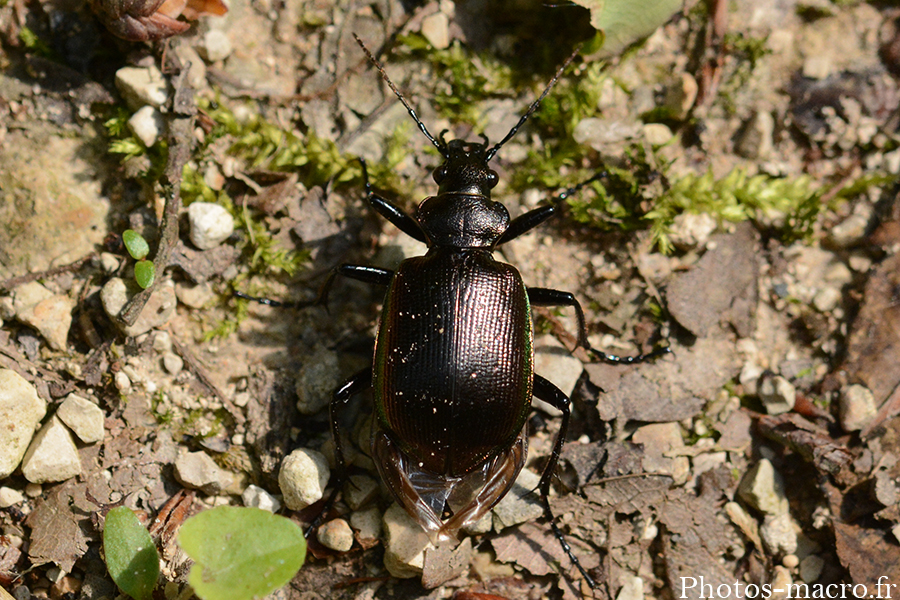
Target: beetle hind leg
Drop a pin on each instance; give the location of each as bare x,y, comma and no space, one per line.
546,391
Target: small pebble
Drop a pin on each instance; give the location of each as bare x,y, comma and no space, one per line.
216,46
194,295
857,407
778,534
777,394
360,490
123,383
316,380
404,544
52,455
657,134
336,534
109,262
302,478
210,224
162,342
196,470
50,314
811,568
10,497
632,589
33,490
147,124
367,523
763,489
521,504
256,497
83,417
21,411
790,561
141,86
172,363
436,29
160,307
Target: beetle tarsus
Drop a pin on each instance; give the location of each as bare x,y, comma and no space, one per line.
273,303
630,360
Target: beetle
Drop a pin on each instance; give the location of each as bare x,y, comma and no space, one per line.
453,368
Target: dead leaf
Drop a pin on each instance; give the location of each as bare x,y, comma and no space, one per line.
721,289
868,554
533,547
61,526
873,349
672,388
807,440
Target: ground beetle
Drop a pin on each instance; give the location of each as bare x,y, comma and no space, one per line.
453,373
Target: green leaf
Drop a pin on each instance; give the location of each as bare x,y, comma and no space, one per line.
135,244
144,273
131,557
241,553
624,22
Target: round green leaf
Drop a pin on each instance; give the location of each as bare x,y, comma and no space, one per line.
624,22
241,553
135,244
131,557
144,273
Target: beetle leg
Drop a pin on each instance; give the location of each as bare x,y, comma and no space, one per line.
546,391
356,384
391,211
528,221
548,297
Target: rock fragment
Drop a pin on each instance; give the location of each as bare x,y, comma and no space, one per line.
336,534
303,476
256,497
21,411
521,504
405,543
50,314
763,489
52,455
210,224
856,408
83,417
196,470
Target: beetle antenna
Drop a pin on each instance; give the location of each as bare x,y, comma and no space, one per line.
441,147
534,106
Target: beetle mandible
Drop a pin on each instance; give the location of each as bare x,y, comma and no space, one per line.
453,368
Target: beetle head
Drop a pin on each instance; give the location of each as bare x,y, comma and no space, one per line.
465,169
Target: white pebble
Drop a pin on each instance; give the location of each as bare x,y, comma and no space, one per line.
303,476
210,224
147,124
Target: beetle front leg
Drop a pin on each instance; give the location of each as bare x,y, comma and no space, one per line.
356,384
391,211
549,393
528,221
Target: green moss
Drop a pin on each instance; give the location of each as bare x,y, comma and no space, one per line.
33,43
264,145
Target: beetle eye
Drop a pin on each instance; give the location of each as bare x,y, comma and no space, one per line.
439,173
492,178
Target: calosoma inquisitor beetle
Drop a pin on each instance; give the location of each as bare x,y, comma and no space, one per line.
453,374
